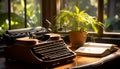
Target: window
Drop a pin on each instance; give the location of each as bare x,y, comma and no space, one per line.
107,12
112,15
26,8
33,13
89,6
111,9
28,12
3,16
23,13
17,14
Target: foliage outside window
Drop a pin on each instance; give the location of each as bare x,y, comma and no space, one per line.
112,15
89,6
33,14
111,11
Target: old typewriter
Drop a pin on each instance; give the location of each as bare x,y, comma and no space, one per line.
48,50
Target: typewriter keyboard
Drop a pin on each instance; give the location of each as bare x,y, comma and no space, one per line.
51,50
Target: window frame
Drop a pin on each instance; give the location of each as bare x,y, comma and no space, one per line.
50,8
102,33
9,14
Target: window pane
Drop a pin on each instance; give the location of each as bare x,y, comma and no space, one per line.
33,8
3,16
89,6
112,15
17,14
33,13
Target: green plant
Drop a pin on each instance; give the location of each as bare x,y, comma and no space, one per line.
16,22
77,20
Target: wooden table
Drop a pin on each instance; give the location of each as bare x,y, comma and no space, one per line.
78,61
109,61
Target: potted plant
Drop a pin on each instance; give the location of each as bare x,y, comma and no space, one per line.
77,22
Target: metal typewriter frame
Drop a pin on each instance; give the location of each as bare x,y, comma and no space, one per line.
24,52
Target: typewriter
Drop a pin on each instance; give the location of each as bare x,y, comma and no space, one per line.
47,50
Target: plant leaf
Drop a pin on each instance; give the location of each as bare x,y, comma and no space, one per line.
77,9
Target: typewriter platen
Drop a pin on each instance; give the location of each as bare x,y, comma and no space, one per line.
52,51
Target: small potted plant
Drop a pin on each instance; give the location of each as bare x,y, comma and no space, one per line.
77,22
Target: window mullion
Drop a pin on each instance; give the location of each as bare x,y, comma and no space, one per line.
25,10
100,15
9,13
49,11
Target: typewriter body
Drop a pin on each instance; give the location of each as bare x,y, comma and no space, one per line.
44,49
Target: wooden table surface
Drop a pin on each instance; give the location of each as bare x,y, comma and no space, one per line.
79,61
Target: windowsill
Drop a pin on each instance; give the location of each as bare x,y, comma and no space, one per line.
106,34
107,37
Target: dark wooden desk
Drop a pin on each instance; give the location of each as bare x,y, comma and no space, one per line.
111,61
78,61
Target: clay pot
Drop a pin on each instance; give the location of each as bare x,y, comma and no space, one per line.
77,39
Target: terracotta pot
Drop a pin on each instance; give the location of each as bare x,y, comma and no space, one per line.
77,39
